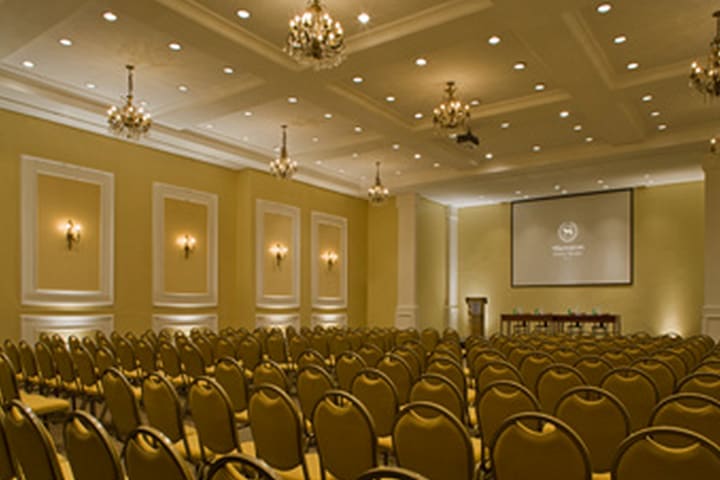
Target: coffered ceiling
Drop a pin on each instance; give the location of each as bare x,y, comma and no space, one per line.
222,96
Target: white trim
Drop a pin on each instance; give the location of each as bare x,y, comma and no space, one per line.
406,316
162,297
328,320
711,321
276,301
184,322
451,308
31,167
65,325
319,302
277,320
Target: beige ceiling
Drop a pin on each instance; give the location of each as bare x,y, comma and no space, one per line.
234,119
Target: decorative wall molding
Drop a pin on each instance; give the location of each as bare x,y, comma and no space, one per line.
263,300
184,322
277,320
162,297
328,320
328,302
63,325
711,321
31,168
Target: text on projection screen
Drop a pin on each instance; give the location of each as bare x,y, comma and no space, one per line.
578,240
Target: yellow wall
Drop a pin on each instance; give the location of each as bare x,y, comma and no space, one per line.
185,274
328,282
667,293
278,277
431,264
382,275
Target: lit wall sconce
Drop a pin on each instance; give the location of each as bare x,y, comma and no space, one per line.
72,233
187,243
330,257
279,251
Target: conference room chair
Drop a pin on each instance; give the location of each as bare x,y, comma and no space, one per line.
31,375
205,347
419,350
90,344
164,413
686,354
616,358
515,355
146,357
378,393
451,347
453,371
412,359
495,370
250,352
90,449
193,361
269,372
634,352
310,357
676,361
593,368
41,405
404,335
31,446
104,359
693,411
531,365
170,364
223,348
371,353
7,465
356,339
660,371
311,384
390,473
430,440
233,379
88,381
319,341
599,418
566,355
49,379
121,401
399,372
706,383
338,343
537,446
149,455
666,453
588,348
553,381
238,466
708,366
429,337
440,390
127,360
278,432
276,349
636,390
347,364
296,345
345,435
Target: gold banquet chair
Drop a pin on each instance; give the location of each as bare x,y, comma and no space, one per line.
666,453
272,373
437,389
398,370
553,381
636,390
378,394
705,383
121,402
311,384
660,371
7,466
240,467
347,365
233,379
693,411
40,405
89,449
149,455
390,473
593,368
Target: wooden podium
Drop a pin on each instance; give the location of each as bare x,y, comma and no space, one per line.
476,314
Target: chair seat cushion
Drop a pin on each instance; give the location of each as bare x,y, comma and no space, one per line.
477,449
385,443
43,405
242,417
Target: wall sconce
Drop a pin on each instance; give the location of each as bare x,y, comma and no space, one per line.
330,257
187,243
278,251
72,233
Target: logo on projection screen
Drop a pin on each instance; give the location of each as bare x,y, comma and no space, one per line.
568,232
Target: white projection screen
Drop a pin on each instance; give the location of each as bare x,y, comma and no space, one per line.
576,240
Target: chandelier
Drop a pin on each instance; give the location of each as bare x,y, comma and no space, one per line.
707,79
378,193
315,39
283,167
451,116
129,121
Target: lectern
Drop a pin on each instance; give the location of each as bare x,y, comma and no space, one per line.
476,314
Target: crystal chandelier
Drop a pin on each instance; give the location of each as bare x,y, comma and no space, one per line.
451,116
378,193
129,121
707,79
283,167
315,39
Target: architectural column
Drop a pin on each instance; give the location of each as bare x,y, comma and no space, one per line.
451,302
406,310
711,308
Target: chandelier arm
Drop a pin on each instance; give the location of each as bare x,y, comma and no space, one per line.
130,69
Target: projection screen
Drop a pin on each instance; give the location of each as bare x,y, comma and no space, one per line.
577,240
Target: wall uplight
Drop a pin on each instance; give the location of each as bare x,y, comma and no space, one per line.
279,251
188,244
72,233
330,257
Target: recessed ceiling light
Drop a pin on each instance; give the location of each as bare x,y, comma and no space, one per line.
328,116
292,100
398,172
539,87
90,85
110,16
228,70
65,42
662,127
619,39
396,146
518,192
505,125
355,155
526,197
600,181
419,115
489,156
341,170
557,187
474,102
647,175
209,126
604,8
605,187
564,192
577,127
248,113
182,88
421,62
564,114
28,64
174,46
318,162
494,40
246,139
244,14
363,18
633,65
536,148
417,156
316,139
358,79
650,182
436,165
390,99
520,66
358,129
655,114
589,139
647,98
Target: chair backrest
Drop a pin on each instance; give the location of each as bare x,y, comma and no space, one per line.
120,401
312,383
104,359
270,372
149,455
452,370
616,358
345,435
277,428
399,372
238,466
275,347
599,418
705,383
566,355
192,360
296,345
27,360
250,352
224,347
500,400
204,345
412,359
125,355
593,368
231,377
525,447
371,353
11,350
438,389
429,337
31,445
162,407
64,363
394,473
145,354
170,359
531,365
45,362
660,371
693,411
495,370
85,366
430,440
310,357
675,360
347,364
378,393
212,413
553,381
636,390
89,449
666,453
8,380
7,466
